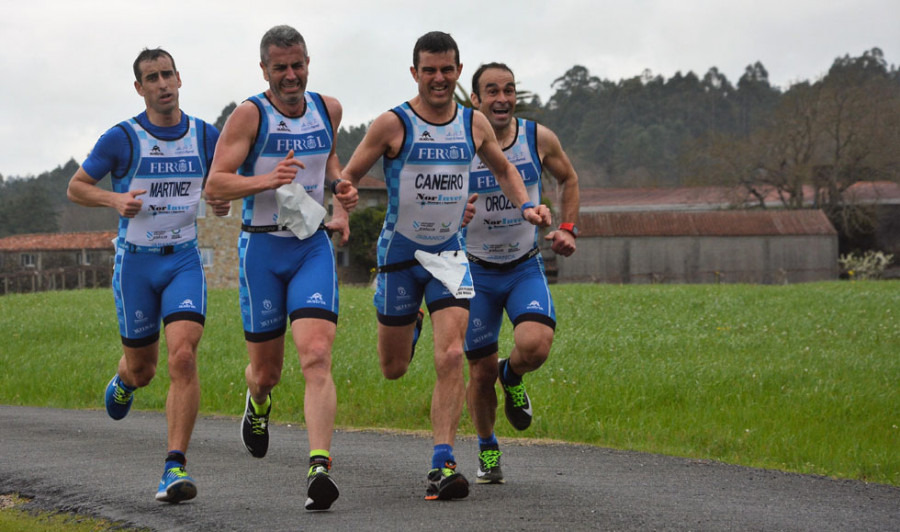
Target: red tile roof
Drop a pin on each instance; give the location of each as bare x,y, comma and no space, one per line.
707,223
641,198
58,241
869,191
706,198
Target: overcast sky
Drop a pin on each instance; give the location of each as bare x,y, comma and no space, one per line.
67,64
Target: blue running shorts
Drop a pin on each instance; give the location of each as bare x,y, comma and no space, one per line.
149,287
522,291
285,277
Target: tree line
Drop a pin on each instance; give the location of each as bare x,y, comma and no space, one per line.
823,134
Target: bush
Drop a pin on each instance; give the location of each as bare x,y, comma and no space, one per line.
365,226
868,265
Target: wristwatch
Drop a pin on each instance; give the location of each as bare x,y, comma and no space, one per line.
570,227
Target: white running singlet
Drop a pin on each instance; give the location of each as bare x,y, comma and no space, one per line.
498,233
311,138
172,173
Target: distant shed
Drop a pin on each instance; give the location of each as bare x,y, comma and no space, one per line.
769,247
56,261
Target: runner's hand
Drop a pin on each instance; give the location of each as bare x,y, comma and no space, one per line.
128,204
285,172
470,209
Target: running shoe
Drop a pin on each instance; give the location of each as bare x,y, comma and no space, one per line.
489,471
176,486
118,400
444,484
517,404
420,320
321,491
255,429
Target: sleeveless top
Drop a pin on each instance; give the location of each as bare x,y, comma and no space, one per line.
428,185
310,136
498,233
172,173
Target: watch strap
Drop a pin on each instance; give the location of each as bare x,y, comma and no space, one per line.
570,227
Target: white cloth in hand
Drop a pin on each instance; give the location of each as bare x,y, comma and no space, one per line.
298,211
451,268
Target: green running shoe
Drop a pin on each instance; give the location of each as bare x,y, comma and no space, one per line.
255,429
517,405
489,471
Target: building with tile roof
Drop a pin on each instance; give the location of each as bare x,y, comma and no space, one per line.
56,261
714,234
768,247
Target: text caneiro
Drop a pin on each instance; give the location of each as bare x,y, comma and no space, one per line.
440,181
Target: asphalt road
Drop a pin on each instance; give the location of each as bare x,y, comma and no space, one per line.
83,461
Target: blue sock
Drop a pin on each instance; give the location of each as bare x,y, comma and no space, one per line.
175,459
509,377
488,442
124,386
442,453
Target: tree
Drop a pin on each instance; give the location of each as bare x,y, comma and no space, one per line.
859,133
365,226
822,138
756,99
348,139
226,112
26,206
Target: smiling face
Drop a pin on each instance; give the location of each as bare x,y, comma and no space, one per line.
287,73
436,75
159,86
496,97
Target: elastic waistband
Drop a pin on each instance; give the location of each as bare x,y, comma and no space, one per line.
502,265
159,250
270,228
402,265
398,266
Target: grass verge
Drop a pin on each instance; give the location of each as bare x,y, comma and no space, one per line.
800,378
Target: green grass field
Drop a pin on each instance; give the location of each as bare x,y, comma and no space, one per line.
802,378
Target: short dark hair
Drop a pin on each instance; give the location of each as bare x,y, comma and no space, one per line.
476,77
150,54
434,42
283,36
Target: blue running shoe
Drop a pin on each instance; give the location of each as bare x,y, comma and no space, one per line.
118,400
176,486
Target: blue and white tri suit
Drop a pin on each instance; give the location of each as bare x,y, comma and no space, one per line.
282,276
158,273
506,263
428,185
